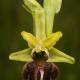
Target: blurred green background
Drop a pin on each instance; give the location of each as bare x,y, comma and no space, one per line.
14,19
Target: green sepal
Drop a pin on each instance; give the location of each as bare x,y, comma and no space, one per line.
23,55
51,7
39,21
56,55
32,5
58,5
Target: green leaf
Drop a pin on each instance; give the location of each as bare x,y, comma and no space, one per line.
56,55
24,55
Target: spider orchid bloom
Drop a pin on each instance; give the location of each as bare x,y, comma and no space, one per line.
43,38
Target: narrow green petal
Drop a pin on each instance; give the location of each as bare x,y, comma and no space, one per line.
32,41
52,39
56,55
51,7
24,55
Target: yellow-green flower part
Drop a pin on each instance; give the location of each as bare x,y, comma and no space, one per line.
46,45
43,38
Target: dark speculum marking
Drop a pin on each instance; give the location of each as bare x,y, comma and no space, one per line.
40,55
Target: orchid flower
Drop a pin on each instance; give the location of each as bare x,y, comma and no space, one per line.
43,38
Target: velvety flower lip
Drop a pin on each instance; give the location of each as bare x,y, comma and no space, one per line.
43,39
